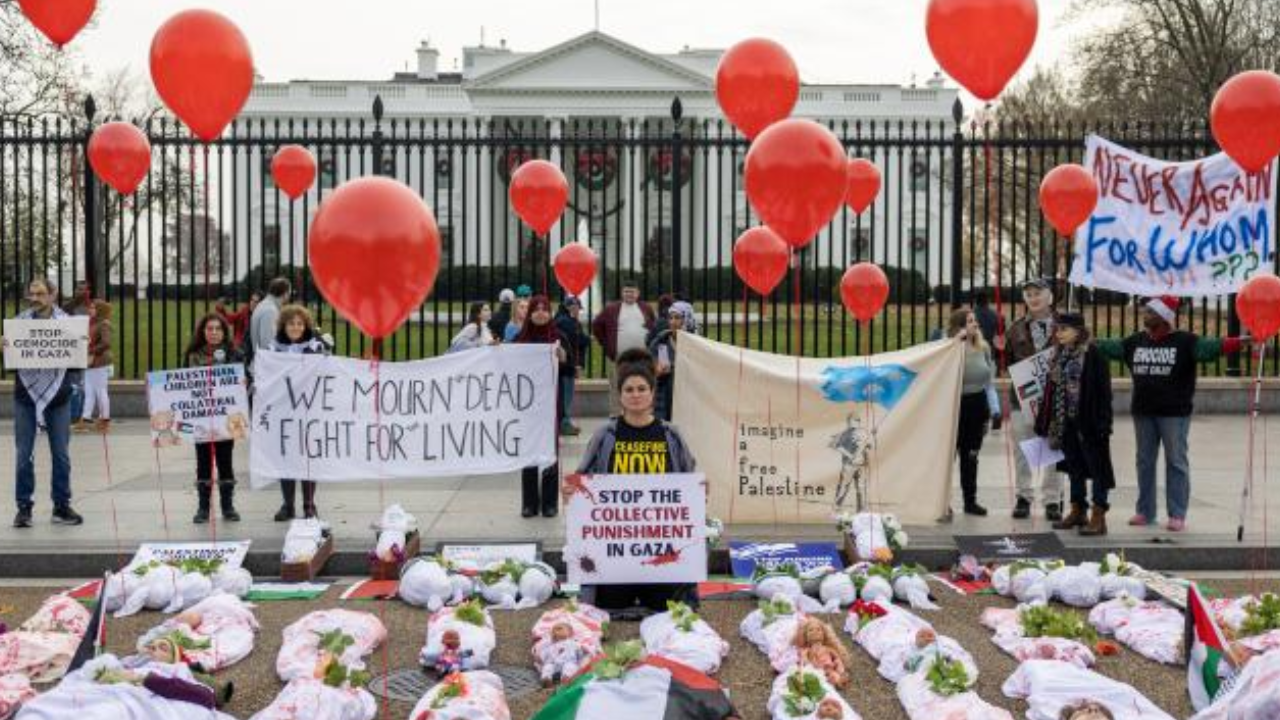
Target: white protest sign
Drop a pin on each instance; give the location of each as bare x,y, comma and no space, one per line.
479,412
33,344
635,528
232,554
1029,378
200,404
1195,228
1039,454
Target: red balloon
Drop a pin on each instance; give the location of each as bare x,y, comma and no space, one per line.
1245,118
294,170
375,251
796,177
864,184
1258,304
59,20
981,43
760,258
1068,195
120,155
757,84
575,266
539,193
864,290
203,69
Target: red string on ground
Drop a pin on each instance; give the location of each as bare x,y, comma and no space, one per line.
115,521
164,506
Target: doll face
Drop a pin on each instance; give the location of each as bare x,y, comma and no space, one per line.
829,709
925,637
190,619
450,639
561,631
161,650
814,633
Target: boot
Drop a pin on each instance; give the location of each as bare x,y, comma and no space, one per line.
227,496
1097,522
1076,518
103,426
529,492
550,492
286,512
309,500
204,492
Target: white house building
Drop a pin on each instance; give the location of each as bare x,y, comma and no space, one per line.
449,136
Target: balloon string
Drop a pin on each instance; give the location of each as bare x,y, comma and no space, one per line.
375,355
164,506
799,320
737,402
115,521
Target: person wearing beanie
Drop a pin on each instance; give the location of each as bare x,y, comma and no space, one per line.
1029,335
1075,418
540,328
500,317
1162,361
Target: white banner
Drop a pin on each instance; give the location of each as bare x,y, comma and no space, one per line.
1195,228
479,412
232,554
635,528
61,343
201,404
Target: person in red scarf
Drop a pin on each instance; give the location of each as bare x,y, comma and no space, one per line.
238,320
543,492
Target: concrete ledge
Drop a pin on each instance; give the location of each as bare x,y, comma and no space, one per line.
1214,396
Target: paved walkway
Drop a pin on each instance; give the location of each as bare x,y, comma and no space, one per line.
130,497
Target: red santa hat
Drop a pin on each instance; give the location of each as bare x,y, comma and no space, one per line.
1166,306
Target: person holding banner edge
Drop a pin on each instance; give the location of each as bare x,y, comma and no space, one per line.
634,443
41,400
213,344
979,369
296,333
1029,335
540,489
1162,361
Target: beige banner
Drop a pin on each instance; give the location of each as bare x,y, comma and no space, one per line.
787,440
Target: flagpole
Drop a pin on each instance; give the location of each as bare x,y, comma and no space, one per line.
1246,490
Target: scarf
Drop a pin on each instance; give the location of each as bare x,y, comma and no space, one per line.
532,333
1064,383
42,384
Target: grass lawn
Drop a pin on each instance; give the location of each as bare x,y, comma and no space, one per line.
151,335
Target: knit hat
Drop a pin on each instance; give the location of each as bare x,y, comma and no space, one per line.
1070,319
524,291
1166,306
1040,283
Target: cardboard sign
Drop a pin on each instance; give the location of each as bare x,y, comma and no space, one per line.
1029,378
635,529
232,553
807,557
1008,548
201,404
34,344
478,556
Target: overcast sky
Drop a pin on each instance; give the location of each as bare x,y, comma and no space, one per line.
861,41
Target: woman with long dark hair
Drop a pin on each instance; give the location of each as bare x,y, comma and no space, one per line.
296,333
541,490
476,332
213,344
979,369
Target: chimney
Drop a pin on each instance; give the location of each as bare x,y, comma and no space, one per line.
428,62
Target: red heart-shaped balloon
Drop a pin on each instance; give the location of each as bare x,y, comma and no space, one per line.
760,259
982,43
59,20
796,177
864,185
294,169
375,250
539,193
202,68
120,155
575,266
864,290
1068,195
1258,304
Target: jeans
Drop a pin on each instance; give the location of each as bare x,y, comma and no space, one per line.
57,418
566,400
77,399
1151,432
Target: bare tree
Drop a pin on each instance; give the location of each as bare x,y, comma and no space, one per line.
36,78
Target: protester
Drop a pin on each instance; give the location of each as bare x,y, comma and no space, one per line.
1163,361
41,400
569,323
680,318
1075,418
519,314
665,301
524,292
979,370
637,443
502,316
476,332
212,345
96,395
265,317
80,304
540,329
623,325
987,318
296,333
1028,336
239,320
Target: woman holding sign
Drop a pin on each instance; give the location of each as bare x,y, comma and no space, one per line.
296,333
214,344
535,491
637,443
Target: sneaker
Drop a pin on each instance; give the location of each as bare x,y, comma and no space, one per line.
66,516
23,518
1022,510
1140,520
1053,512
1176,524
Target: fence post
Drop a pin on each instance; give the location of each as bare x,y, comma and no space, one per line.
957,202
94,272
377,136
677,191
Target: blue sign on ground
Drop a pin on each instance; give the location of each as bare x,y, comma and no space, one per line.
807,557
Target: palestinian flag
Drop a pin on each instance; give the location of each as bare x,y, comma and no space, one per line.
1206,651
654,689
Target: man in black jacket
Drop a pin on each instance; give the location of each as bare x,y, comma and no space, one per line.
569,323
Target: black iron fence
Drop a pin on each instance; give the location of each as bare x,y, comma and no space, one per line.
661,201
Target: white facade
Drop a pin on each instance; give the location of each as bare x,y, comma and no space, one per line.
616,87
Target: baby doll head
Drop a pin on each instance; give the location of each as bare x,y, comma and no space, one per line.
162,650
811,632
1086,710
189,618
925,637
561,631
830,709
450,639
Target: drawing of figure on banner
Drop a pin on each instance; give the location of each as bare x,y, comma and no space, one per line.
883,385
854,444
